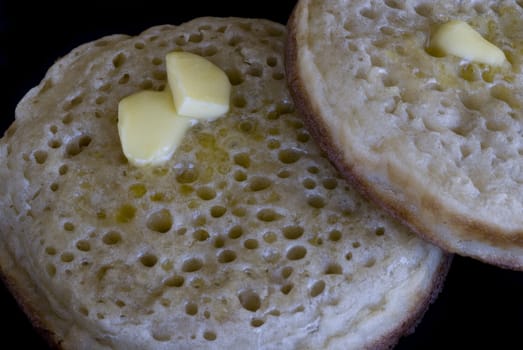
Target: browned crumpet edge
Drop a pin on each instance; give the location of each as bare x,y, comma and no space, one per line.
27,302
464,228
321,136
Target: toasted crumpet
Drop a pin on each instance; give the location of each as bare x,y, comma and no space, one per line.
437,141
246,238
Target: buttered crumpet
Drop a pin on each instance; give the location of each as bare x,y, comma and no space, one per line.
419,105
245,237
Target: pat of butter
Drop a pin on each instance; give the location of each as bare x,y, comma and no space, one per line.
149,127
459,39
199,88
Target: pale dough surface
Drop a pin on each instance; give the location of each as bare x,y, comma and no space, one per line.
436,140
246,238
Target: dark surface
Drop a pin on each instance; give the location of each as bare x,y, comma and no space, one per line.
481,306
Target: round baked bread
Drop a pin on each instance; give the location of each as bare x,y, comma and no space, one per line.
437,141
246,238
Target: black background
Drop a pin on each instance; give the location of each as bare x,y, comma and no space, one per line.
480,306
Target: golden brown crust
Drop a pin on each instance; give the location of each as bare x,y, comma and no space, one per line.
426,215
310,111
415,317
320,133
13,281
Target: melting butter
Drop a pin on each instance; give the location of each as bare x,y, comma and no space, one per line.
459,39
200,89
149,127
152,124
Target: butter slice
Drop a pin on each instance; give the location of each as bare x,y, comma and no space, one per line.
149,127
459,39
199,88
